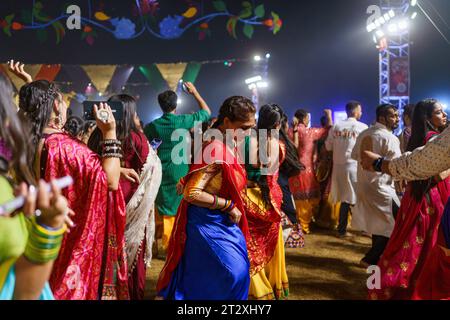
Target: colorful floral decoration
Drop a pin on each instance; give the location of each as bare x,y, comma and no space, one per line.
146,20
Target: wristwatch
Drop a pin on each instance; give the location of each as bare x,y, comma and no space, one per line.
377,164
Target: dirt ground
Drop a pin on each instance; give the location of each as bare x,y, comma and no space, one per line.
325,269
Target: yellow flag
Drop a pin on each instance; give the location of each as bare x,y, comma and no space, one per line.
100,75
172,73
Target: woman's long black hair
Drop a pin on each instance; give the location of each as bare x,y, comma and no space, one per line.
270,116
14,136
124,127
421,126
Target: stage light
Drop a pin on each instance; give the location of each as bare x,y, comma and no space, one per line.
377,23
414,15
252,86
267,55
392,13
179,101
393,28
253,80
90,84
257,58
380,33
100,94
262,84
387,17
403,25
413,3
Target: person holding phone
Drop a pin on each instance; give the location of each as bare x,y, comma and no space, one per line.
23,272
167,200
140,180
91,264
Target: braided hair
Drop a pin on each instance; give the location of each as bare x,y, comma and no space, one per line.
36,101
236,108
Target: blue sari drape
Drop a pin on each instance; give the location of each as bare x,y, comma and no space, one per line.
215,264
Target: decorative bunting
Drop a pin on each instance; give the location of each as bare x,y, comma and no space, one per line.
172,73
192,71
48,72
120,77
154,77
100,75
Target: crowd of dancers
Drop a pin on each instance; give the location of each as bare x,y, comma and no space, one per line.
222,221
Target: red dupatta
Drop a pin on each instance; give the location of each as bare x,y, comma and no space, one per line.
91,264
234,180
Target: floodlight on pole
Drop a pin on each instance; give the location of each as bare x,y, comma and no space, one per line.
253,80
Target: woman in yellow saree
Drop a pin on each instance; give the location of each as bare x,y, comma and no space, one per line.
262,200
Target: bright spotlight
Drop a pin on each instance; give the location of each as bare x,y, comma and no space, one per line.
253,80
413,3
179,101
414,15
393,28
267,55
387,17
257,58
392,13
262,84
403,25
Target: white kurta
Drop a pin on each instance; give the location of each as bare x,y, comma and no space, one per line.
341,140
376,191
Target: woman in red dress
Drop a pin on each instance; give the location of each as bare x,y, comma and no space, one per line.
140,180
417,225
91,263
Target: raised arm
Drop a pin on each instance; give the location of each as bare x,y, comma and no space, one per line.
201,103
18,69
107,125
421,164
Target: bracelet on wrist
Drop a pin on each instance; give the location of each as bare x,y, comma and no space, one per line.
43,242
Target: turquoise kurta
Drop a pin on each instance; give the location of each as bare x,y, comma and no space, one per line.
167,200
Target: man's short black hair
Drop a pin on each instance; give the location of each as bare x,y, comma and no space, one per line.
382,110
351,106
168,101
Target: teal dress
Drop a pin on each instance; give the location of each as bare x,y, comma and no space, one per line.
167,200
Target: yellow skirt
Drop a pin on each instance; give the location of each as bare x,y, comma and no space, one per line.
271,282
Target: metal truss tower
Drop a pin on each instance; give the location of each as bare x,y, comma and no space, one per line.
397,46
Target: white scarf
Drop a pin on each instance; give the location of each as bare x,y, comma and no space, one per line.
141,211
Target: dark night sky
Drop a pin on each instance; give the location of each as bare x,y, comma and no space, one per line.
322,57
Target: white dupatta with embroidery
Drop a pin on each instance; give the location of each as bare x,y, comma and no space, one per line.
141,211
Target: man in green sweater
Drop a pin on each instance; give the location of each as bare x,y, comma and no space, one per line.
167,200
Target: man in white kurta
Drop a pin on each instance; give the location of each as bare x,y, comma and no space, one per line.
341,140
377,198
